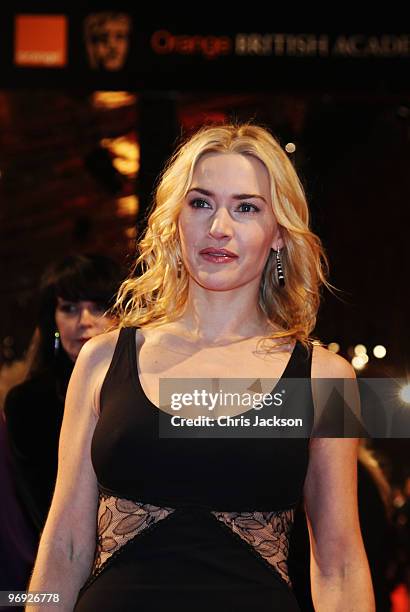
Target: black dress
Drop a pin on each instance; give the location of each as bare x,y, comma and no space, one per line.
194,523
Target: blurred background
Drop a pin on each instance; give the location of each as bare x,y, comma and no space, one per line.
93,102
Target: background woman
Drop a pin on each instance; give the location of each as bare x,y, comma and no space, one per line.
75,294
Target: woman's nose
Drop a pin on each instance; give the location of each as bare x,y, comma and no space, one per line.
221,224
86,317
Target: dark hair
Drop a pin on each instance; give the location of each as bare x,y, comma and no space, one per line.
85,276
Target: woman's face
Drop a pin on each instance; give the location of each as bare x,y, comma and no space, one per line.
228,206
77,322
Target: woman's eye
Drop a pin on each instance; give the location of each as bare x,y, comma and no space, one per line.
198,203
70,308
99,309
249,208
245,207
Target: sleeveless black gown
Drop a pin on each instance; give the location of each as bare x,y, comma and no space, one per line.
189,524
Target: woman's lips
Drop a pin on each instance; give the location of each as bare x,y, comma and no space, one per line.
218,256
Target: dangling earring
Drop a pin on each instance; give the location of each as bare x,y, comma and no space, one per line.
56,342
179,264
281,277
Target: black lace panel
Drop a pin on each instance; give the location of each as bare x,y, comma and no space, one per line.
120,520
267,533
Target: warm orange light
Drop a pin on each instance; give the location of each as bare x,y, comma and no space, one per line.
40,40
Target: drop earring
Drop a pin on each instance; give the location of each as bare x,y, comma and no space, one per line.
281,277
56,342
179,267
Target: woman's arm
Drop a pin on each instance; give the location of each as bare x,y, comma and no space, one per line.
68,541
340,574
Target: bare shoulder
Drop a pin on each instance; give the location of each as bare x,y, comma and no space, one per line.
99,348
326,364
93,363
340,379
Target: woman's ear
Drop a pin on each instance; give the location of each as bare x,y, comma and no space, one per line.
277,242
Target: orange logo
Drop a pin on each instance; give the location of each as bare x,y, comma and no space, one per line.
40,40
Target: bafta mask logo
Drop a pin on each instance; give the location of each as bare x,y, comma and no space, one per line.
107,40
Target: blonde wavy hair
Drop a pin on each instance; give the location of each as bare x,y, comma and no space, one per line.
154,293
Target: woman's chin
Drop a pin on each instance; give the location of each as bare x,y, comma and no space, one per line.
213,283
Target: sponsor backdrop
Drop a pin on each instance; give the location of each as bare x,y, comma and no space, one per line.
111,49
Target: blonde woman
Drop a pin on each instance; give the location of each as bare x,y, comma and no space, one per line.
229,289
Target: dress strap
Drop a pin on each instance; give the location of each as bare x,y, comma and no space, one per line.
300,364
120,354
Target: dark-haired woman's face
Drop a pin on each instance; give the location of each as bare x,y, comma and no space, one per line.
77,322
